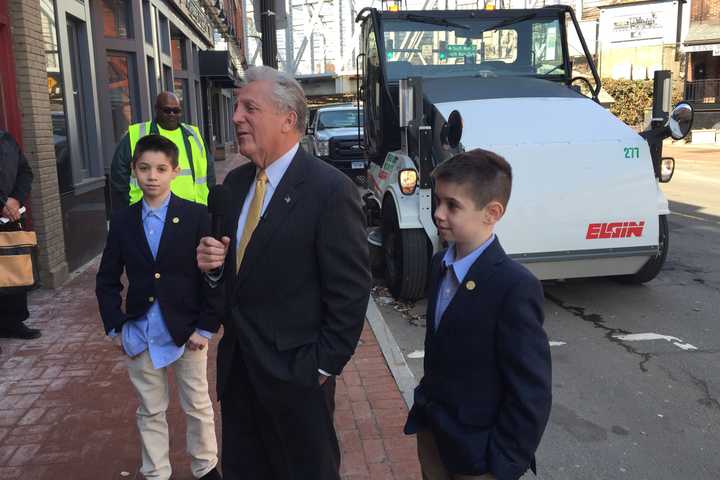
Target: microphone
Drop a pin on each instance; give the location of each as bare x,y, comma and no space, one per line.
219,208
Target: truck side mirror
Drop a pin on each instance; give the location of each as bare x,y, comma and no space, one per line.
680,120
454,129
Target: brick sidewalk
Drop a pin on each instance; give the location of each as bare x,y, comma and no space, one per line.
67,409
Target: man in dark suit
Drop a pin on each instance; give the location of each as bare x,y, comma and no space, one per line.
482,406
298,281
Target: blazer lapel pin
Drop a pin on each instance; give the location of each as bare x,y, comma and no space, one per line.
470,285
287,199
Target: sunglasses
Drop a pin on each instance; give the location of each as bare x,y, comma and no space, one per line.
169,111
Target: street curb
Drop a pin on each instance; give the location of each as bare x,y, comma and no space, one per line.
391,351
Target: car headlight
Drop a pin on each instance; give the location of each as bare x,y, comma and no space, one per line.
322,148
408,181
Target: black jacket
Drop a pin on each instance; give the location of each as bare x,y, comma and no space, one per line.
121,166
299,300
486,393
186,300
15,174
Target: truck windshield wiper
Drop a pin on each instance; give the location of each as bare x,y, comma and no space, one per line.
508,22
434,21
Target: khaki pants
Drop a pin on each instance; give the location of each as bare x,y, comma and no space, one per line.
153,390
431,463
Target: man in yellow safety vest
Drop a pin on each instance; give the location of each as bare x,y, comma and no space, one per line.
197,168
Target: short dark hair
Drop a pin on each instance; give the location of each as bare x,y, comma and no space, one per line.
156,143
487,174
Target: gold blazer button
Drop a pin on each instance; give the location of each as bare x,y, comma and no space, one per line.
157,275
176,220
470,285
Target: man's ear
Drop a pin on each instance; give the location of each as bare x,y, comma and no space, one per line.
290,121
494,212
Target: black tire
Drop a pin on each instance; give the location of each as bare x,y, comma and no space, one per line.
653,266
406,256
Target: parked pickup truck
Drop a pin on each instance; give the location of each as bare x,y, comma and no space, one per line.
333,135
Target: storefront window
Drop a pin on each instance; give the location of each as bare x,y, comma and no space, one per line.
181,90
164,31
179,57
117,19
120,89
147,21
57,99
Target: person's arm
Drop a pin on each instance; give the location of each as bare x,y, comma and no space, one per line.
212,298
525,365
343,257
108,287
23,181
211,176
120,175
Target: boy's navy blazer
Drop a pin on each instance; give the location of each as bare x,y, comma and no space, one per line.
486,393
173,278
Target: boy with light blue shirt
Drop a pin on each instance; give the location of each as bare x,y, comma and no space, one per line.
484,401
171,312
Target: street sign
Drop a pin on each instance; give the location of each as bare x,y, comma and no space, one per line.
716,50
454,51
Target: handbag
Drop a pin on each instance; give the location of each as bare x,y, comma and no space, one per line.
18,261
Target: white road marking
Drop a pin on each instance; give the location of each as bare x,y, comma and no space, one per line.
641,337
554,343
416,354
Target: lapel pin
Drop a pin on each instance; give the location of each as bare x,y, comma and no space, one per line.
176,220
470,285
287,199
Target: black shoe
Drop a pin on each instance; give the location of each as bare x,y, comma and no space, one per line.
212,475
20,331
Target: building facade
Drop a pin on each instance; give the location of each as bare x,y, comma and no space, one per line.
74,74
702,46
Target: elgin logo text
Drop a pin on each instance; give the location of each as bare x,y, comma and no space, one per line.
615,230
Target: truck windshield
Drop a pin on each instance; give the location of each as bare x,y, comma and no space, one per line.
525,45
338,119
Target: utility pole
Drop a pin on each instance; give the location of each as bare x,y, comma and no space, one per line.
268,32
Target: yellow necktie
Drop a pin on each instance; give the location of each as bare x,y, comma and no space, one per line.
253,216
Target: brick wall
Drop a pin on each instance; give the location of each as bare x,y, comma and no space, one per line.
705,11
34,104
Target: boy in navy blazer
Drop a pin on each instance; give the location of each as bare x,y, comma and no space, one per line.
482,406
170,312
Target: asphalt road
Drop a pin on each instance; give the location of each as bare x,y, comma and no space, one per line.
641,408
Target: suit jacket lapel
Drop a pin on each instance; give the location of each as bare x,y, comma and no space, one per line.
436,275
284,199
479,273
137,225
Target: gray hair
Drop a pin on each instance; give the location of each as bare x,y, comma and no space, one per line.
287,93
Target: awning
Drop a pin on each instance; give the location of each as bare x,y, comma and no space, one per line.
703,34
217,66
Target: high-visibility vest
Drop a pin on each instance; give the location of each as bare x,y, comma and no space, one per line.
191,182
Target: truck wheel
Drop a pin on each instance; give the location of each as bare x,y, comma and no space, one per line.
406,256
654,264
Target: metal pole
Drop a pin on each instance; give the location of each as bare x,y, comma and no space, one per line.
269,33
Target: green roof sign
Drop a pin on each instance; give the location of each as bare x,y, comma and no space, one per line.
461,50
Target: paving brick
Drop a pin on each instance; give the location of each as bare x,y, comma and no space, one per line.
374,451
32,416
6,452
11,417
23,454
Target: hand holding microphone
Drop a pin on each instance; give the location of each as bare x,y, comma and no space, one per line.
211,251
